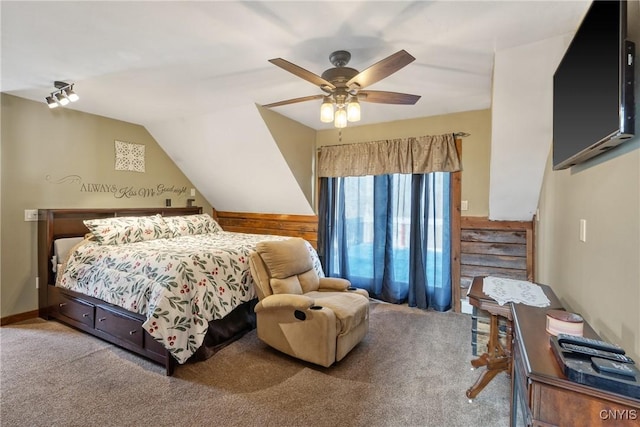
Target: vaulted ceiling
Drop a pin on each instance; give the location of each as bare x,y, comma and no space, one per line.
175,66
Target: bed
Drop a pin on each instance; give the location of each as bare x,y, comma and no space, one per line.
168,284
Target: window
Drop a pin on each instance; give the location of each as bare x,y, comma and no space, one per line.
389,234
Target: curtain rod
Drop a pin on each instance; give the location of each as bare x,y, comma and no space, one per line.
457,135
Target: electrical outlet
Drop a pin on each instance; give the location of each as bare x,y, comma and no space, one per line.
37,283
31,214
464,205
193,192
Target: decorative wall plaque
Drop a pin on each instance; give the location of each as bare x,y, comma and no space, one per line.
129,157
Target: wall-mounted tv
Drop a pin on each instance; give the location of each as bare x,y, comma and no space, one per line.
593,100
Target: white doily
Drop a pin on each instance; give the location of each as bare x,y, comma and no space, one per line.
519,291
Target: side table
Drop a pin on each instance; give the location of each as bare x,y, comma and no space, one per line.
497,358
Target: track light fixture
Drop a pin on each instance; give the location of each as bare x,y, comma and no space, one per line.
62,99
62,96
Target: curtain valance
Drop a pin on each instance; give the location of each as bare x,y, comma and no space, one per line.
422,154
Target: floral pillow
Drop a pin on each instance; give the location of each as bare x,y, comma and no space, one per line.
191,224
119,230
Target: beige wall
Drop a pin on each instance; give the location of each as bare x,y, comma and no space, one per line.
50,158
599,278
476,148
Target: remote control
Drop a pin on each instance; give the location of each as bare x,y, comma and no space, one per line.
588,351
588,342
609,366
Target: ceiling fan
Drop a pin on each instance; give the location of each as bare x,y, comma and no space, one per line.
343,86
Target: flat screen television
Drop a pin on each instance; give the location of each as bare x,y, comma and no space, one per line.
593,100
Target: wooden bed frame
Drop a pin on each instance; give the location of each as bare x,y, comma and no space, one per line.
106,321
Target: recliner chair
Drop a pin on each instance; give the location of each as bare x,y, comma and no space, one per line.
316,319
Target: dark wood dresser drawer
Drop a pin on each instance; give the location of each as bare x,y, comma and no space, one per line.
123,327
76,309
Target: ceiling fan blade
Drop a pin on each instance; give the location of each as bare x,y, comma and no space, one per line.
302,73
294,100
382,97
382,69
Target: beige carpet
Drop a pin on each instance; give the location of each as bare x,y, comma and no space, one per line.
412,369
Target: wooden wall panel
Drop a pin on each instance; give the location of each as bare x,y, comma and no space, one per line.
473,247
494,248
304,226
491,260
491,235
456,197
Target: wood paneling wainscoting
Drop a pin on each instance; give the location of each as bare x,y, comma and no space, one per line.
305,226
494,248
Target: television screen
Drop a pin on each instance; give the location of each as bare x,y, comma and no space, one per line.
591,91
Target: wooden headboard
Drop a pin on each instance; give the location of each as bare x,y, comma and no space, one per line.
59,223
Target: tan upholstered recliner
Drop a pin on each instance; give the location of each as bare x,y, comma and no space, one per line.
305,316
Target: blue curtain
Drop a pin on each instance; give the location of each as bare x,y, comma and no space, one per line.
389,234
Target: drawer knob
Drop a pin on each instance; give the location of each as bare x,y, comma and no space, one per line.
102,319
62,304
132,332
85,315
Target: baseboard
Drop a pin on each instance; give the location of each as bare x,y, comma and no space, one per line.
18,317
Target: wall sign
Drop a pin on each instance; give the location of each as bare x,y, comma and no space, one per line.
121,191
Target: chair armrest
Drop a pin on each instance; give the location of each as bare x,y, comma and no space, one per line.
333,284
295,302
359,291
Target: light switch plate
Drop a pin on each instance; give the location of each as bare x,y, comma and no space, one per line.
31,214
583,230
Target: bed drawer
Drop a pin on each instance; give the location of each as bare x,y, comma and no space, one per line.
153,346
120,326
76,309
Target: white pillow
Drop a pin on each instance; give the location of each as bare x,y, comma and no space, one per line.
127,229
191,224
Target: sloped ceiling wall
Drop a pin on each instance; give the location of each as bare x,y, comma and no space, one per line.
237,168
522,126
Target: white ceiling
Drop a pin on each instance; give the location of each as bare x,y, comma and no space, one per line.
193,72
146,62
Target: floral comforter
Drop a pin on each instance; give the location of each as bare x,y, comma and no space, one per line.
179,284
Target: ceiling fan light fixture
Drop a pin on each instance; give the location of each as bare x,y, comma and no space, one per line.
341,118
353,109
342,86
326,110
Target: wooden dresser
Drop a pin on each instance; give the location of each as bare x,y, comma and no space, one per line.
541,393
